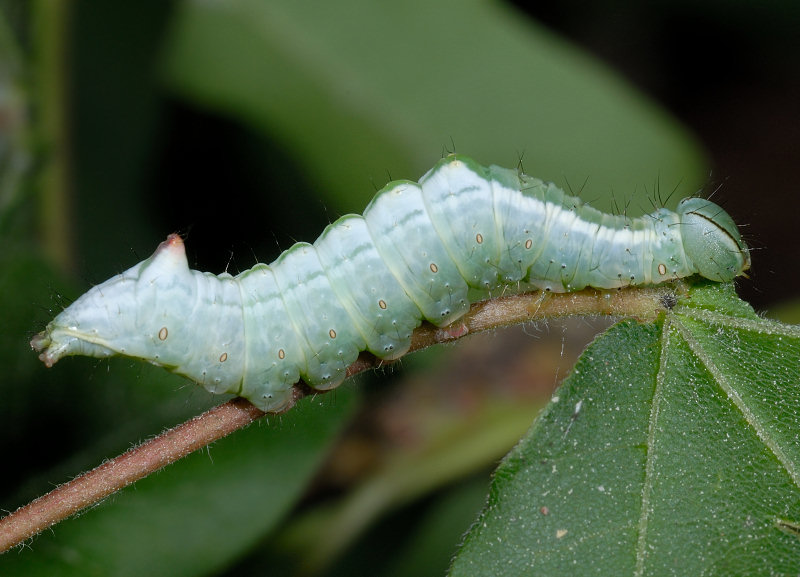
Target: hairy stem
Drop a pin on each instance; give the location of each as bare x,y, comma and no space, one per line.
174,444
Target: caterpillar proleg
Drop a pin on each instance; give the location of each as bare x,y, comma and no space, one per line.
421,251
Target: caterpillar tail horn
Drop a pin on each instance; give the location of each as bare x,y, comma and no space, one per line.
93,322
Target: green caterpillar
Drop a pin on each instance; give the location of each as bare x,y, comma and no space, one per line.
421,251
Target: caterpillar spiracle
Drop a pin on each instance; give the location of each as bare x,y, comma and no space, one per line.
421,251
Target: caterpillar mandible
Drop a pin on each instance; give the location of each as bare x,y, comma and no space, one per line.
420,251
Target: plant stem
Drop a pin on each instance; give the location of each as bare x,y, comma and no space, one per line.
113,475
174,444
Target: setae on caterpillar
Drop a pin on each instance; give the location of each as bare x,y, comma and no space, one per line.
420,251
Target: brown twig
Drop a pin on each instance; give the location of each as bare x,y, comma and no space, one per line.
89,488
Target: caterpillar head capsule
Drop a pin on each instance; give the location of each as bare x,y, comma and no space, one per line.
711,240
104,321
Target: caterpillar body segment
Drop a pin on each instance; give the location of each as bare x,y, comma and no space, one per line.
419,252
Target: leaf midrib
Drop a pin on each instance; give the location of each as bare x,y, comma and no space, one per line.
641,542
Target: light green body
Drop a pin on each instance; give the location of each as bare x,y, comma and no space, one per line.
421,251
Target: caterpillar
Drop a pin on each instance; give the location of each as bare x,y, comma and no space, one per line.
421,250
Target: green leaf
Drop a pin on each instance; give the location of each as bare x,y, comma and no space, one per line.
672,447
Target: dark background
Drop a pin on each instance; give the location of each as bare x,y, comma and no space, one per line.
731,72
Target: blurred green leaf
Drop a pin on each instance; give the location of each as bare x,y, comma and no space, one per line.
426,545
428,550
788,312
467,444
358,89
672,447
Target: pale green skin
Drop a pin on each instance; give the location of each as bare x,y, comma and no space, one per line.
421,251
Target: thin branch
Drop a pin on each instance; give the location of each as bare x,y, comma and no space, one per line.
174,444
113,475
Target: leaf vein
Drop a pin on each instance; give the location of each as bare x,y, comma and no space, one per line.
649,474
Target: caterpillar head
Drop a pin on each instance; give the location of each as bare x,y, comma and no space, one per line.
711,240
105,321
